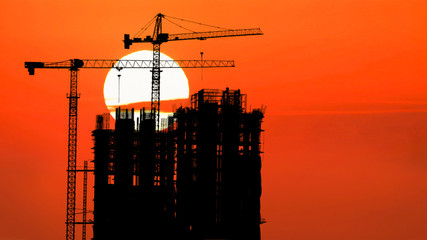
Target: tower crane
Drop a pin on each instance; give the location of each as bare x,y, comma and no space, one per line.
158,37
74,65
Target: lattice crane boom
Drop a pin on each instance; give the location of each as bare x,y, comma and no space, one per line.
114,63
165,37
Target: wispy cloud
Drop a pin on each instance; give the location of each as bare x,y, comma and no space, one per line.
341,112
360,107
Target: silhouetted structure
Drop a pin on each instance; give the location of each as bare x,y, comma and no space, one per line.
197,179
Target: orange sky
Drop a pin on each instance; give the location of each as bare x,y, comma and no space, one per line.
343,82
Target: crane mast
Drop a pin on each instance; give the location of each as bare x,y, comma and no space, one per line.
155,76
72,153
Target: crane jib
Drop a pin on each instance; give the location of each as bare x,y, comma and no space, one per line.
114,63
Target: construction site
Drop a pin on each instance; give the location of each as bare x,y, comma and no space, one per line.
200,178
195,175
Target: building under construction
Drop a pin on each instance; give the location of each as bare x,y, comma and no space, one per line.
199,178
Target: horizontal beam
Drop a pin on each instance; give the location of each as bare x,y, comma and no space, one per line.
120,64
84,170
165,37
215,34
88,222
95,63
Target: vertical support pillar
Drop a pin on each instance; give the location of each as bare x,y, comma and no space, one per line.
72,152
155,112
155,86
84,200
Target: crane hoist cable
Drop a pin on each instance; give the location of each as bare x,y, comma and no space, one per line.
203,24
180,26
145,27
118,83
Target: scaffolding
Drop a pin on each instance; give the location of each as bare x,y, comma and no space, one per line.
198,178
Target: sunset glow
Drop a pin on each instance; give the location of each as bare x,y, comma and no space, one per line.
344,83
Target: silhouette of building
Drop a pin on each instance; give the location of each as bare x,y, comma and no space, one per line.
199,178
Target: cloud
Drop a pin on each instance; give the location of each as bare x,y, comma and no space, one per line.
362,107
